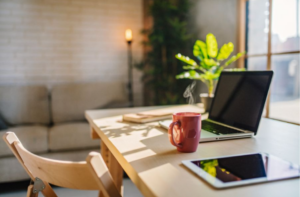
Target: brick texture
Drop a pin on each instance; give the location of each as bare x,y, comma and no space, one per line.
64,41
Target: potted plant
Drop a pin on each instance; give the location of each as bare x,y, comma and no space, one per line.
212,61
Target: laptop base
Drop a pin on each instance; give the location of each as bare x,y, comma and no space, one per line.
207,136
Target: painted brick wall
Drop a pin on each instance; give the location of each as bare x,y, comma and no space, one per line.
63,41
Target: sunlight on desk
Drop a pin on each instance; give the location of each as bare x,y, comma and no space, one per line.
129,143
166,174
125,134
139,155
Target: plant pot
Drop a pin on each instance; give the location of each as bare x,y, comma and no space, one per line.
206,100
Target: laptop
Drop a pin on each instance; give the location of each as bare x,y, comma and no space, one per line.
237,106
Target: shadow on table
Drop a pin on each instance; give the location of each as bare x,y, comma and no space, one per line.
128,129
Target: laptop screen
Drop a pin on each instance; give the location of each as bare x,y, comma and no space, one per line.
240,97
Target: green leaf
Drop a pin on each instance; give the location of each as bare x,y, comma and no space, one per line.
208,63
212,45
195,75
188,75
183,75
219,70
234,58
186,59
203,65
189,67
200,49
235,69
225,51
210,76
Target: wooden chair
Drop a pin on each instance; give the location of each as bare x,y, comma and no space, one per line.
91,174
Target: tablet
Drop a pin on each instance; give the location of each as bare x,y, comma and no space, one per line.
235,170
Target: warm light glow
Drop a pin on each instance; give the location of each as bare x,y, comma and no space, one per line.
128,35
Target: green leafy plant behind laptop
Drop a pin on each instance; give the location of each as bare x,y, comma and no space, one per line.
212,61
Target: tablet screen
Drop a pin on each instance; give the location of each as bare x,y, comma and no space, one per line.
238,168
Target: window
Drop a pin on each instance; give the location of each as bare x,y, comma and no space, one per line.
269,32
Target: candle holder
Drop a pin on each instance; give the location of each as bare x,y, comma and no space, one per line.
128,36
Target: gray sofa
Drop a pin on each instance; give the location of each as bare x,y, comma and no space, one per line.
51,122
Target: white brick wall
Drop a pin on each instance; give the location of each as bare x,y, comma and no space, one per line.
63,41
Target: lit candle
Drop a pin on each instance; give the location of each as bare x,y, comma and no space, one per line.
128,35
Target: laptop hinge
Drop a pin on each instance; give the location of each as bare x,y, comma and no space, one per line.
225,125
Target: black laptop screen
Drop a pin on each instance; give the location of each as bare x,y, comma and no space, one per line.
240,97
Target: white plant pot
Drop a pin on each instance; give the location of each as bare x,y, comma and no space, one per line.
206,100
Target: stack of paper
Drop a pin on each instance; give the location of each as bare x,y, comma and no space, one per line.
160,114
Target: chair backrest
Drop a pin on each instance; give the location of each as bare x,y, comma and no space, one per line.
91,174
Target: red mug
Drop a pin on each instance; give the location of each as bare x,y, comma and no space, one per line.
184,131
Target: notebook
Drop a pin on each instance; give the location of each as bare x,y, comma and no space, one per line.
159,114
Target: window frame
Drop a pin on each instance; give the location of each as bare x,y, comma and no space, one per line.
241,43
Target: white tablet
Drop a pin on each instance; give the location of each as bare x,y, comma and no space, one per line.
230,171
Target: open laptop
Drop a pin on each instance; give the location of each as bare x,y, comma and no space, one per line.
237,106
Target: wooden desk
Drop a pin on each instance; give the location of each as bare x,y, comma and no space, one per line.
154,165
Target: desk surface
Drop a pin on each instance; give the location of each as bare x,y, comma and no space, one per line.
154,165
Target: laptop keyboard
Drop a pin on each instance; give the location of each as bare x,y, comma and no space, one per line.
217,129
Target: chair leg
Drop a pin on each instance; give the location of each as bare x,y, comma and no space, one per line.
48,191
30,192
101,194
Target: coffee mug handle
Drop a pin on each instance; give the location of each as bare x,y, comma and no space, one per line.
171,132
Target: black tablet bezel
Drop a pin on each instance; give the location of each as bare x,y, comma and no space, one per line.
215,182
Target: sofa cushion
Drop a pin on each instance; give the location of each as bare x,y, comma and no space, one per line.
69,101
24,105
12,170
33,138
71,136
